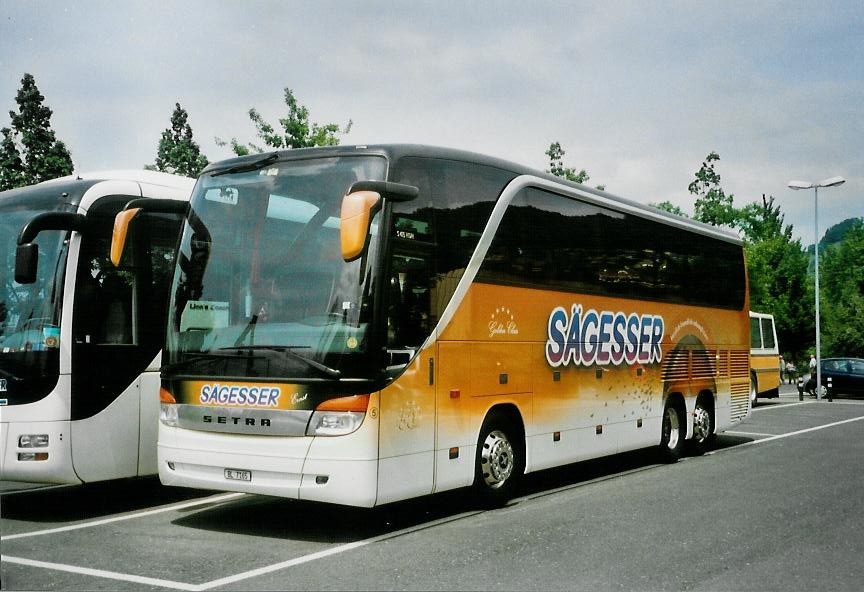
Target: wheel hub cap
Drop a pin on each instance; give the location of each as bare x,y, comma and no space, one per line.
701,424
496,459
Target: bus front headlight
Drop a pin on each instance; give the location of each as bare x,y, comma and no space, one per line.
168,414
338,417
167,408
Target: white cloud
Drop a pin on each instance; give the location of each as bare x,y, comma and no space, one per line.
637,94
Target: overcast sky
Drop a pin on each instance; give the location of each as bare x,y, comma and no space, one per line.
637,93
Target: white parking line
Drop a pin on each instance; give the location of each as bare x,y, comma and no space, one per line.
298,560
113,575
334,551
100,573
178,506
788,435
748,433
786,406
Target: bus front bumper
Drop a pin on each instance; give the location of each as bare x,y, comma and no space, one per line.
303,468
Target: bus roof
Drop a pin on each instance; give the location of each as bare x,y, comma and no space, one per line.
396,151
67,191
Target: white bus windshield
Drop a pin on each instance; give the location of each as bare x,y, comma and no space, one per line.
29,313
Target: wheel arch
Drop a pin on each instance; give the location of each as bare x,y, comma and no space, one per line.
510,412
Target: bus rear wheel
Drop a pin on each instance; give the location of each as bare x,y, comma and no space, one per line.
673,432
753,393
703,426
499,462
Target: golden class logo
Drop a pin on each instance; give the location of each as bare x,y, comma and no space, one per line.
501,322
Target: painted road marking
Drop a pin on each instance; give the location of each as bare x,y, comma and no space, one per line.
178,506
789,434
101,573
748,434
113,575
313,556
785,406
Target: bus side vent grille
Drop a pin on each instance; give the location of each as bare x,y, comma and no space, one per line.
740,395
740,364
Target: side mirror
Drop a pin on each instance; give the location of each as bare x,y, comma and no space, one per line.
27,252
132,209
119,233
363,200
26,263
357,210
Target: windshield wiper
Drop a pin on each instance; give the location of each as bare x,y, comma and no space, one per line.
201,357
288,350
245,167
10,376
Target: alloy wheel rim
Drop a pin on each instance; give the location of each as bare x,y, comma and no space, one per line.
701,424
496,459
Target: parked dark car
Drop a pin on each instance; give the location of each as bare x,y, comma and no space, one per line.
847,376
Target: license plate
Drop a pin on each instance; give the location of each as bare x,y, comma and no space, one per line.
238,475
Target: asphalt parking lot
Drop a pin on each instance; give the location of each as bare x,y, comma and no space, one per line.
773,506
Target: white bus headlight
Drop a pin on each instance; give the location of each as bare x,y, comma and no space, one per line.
337,417
32,440
168,414
167,408
334,423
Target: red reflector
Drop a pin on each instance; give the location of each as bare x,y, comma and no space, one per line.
454,394
454,452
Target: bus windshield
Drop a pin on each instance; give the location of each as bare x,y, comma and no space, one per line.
30,313
261,289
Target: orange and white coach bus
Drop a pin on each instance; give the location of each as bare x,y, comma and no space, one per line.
361,325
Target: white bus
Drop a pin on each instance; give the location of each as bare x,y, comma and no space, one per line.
80,339
360,325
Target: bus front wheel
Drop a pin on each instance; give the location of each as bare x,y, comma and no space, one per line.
500,461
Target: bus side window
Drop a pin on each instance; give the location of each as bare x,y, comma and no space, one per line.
768,333
115,306
755,334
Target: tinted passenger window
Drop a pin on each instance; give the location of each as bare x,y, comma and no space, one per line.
119,323
551,241
755,336
768,334
433,239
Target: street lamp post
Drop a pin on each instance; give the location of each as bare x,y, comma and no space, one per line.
832,182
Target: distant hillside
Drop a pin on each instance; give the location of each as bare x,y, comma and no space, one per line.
834,235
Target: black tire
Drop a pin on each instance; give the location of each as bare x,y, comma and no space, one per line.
499,462
754,396
703,427
672,433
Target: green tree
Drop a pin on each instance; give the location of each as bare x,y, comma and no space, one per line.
557,168
777,274
31,153
178,153
712,205
296,130
842,275
12,172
